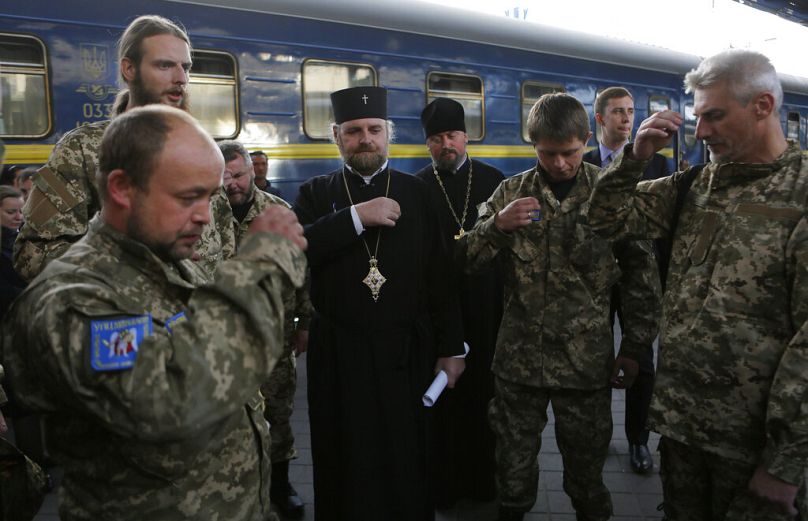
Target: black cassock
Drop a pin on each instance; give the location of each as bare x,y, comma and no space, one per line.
463,445
370,362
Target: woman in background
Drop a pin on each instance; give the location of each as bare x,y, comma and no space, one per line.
11,284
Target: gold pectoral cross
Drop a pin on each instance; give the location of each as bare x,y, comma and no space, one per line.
461,233
374,279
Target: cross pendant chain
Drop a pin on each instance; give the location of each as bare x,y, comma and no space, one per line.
374,279
461,220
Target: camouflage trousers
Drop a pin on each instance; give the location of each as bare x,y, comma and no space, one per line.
279,393
701,486
583,428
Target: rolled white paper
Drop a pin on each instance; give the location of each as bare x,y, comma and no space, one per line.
437,387
440,381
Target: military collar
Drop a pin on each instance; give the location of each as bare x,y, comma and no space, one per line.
729,173
126,249
580,191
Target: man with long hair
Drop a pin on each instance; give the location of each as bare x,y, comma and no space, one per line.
154,56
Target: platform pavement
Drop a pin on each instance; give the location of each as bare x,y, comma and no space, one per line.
635,497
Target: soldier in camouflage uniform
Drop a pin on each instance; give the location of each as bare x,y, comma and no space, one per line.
65,198
555,343
730,397
149,376
247,203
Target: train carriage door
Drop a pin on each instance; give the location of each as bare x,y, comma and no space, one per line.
531,92
320,79
213,90
24,92
466,90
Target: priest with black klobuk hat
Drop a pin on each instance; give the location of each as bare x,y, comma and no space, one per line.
385,320
457,185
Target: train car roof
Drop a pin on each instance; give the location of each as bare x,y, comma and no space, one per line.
429,19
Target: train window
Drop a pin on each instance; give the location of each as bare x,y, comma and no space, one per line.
793,126
658,104
24,93
531,92
690,125
214,93
466,90
320,79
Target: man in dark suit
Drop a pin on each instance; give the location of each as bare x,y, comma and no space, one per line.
614,113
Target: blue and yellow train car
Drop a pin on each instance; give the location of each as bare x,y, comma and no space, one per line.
263,70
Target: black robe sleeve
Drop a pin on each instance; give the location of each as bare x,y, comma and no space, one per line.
328,230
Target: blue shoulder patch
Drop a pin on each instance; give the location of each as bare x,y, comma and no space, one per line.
176,319
115,342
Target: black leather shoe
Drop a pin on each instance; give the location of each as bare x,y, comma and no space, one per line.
640,456
289,504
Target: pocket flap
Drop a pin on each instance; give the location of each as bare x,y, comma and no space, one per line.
524,248
763,210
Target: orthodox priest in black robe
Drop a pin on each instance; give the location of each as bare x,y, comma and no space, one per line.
463,445
385,320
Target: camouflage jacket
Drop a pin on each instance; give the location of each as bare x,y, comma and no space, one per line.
556,328
64,199
170,436
733,354
296,302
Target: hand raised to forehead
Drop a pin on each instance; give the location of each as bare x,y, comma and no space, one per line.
655,133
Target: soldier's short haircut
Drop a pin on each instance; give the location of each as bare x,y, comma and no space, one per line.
134,141
557,117
257,153
747,73
610,93
131,43
231,149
